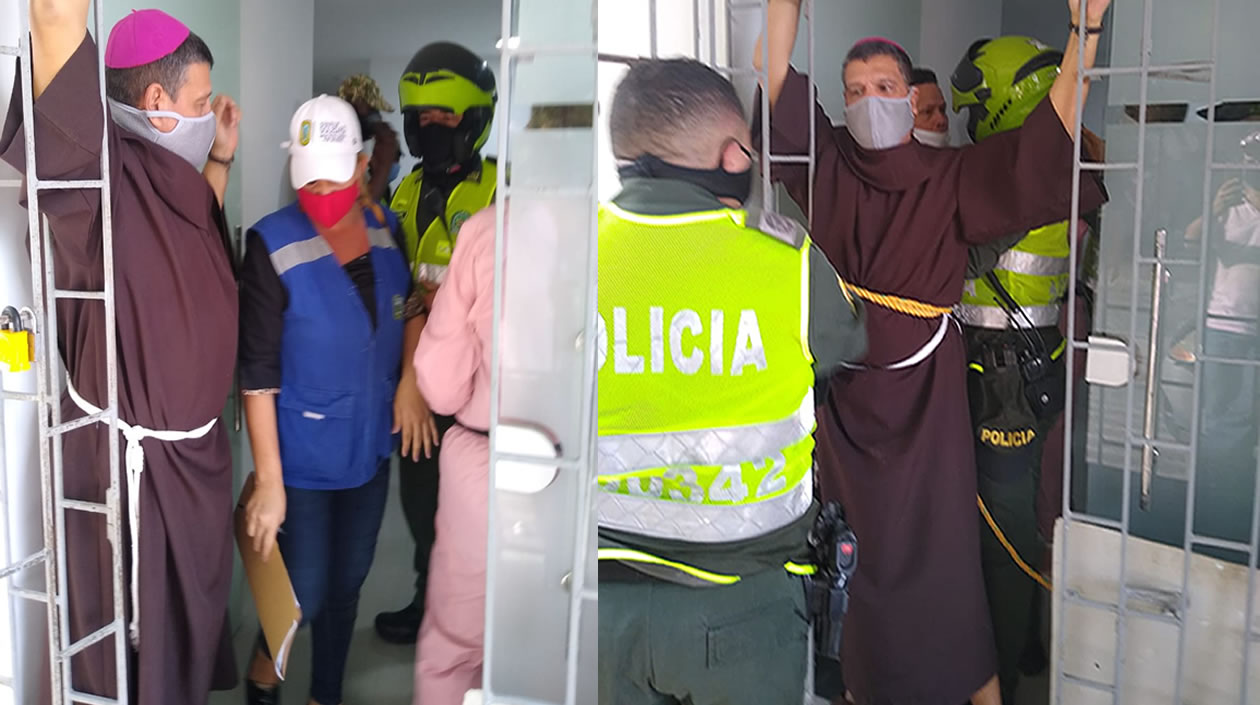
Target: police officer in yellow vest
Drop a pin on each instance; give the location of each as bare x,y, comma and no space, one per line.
448,96
1010,312
714,322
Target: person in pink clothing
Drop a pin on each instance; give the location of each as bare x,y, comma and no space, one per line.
452,365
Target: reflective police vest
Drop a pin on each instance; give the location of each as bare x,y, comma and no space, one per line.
338,375
1034,272
430,254
706,409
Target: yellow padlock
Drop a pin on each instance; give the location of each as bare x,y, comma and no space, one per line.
17,350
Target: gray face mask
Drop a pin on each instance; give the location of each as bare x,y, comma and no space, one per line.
880,123
928,138
191,139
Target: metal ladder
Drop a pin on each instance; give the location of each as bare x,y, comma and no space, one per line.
47,400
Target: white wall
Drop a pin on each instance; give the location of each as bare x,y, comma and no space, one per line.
21,534
217,23
22,623
1047,21
379,37
386,71
271,90
947,30
836,27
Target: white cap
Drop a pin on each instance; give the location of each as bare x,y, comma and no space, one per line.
324,141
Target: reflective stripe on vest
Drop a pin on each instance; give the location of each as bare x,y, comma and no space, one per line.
1034,273
995,318
711,446
706,395
339,360
429,255
628,555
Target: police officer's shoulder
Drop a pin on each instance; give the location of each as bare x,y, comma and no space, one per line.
777,226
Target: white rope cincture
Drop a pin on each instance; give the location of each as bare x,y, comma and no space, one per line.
919,356
134,459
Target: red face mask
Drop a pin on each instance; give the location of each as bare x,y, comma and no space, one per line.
327,209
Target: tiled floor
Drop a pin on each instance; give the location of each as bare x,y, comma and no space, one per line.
378,673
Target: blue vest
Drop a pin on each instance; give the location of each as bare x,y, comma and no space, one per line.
338,376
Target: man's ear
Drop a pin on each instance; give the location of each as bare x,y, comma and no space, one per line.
151,99
914,100
734,160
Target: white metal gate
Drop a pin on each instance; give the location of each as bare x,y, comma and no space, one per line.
541,591
52,557
1154,557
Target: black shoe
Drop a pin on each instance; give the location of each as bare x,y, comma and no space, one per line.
256,694
401,627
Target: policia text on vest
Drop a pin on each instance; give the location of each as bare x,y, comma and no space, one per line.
687,346
705,451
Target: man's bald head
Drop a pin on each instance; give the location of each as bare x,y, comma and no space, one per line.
677,110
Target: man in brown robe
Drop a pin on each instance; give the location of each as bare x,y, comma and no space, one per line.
176,334
896,219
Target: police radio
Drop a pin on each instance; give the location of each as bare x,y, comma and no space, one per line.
834,547
1045,396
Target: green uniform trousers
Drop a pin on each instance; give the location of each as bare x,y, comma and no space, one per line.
666,644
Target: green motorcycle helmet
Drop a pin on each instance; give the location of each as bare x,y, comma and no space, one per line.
1000,81
449,77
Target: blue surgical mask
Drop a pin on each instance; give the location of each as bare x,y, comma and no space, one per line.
394,171
191,139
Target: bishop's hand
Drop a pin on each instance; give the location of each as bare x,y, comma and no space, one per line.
1095,9
227,122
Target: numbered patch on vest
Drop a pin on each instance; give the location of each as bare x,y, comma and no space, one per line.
742,483
398,307
780,227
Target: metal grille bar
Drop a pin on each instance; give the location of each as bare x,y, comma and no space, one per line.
582,463
1153,70
51,185
23,564
63,428
75,696
1115,166
1197,389
82,295
89,507
17,396
48,394
90,639
1224,544
1082,518
32,595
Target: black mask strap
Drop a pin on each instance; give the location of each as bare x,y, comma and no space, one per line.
719,182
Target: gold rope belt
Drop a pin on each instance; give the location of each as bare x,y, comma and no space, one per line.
909,307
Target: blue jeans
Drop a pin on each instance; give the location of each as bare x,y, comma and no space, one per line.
328,542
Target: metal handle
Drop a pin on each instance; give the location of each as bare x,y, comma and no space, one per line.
1149,453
